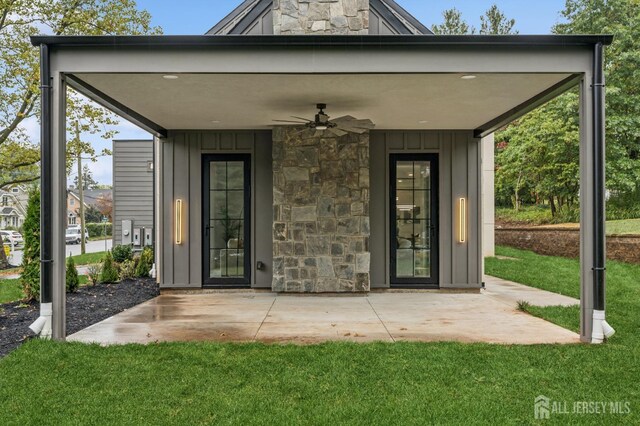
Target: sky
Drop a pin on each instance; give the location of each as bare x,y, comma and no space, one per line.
198,16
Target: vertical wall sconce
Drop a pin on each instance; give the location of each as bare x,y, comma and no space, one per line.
178,222
462,220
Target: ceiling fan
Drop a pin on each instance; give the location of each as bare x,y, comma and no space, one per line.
339,127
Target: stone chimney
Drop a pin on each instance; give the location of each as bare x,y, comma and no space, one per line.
350,17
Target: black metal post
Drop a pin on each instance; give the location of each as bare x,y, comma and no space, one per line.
599,215
46,179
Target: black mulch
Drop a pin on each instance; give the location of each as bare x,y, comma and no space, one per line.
88,306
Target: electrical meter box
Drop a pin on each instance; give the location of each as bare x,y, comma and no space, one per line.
127,232
148,236
137,237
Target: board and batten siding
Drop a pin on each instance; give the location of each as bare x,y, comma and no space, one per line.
459,157
181,178
132,185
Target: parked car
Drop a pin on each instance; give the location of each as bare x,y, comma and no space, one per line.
12,237
73,235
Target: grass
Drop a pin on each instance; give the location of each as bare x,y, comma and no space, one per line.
89,258
622,227
339,383
11,290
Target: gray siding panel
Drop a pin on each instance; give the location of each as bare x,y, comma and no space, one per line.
132,185
182,178
459,163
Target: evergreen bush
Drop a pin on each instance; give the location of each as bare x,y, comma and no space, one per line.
30,277
110,272
122,253
73,281
145,263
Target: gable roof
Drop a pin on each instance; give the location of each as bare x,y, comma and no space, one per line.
244,17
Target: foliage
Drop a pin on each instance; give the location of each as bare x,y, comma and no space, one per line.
88,182
122,253
536,157
492,22
105,205
145,263
128,269
453,24
495,22
4,262
30,277
92,215
94,272
98,229
110,272
73,282
19,70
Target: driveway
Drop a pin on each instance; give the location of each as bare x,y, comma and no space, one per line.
71,250
379,316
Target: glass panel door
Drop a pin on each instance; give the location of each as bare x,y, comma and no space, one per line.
226,212
414,220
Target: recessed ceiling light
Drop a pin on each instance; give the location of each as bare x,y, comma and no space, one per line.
423,121
170,77
468,77
215,121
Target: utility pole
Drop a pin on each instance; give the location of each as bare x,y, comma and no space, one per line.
80,192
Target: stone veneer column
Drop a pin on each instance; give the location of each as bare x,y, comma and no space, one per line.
320,212
321,17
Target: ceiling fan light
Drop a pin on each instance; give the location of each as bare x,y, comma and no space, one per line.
321,127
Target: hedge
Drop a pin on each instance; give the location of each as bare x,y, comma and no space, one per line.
97,229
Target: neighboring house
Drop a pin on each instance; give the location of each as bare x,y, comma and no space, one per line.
13,206
133,191
326,204
73,208
92,198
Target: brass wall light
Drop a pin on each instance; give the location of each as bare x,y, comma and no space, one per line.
462,220
178,222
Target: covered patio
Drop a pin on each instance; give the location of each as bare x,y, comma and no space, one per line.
436,96
261,316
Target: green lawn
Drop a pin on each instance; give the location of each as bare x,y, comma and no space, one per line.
388,384
89,258
621,227
11,291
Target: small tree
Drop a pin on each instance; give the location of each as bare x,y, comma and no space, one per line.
110,273
145,263
30,278
73,281
4,262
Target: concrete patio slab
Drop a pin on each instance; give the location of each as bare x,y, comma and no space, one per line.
490,317
511,293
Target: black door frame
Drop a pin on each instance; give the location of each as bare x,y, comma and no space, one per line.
434,281
208,282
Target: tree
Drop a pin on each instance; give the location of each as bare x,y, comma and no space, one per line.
30,277
104,204
622,69
495,22
453,24
88,182
19,67
93,215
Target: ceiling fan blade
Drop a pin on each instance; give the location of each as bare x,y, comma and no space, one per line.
353,129
337,132
343,119
365,124
289,121
301,118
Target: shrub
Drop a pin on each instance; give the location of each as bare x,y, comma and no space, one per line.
127,269
109,270
145,263
73,282
122,253
30,277
94,272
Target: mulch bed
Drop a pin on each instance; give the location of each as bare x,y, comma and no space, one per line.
88,306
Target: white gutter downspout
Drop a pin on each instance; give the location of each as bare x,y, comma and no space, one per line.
601,328
42,326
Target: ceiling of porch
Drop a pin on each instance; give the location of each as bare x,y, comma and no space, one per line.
253,101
